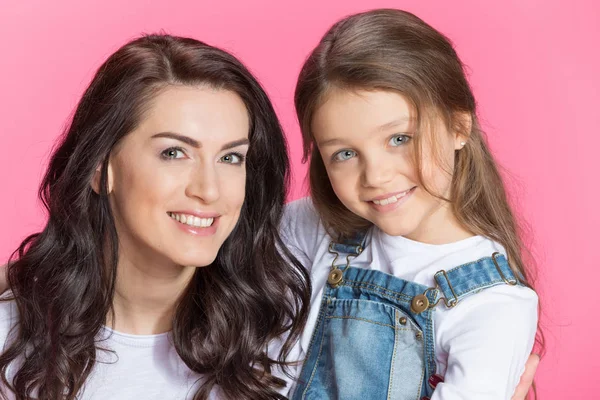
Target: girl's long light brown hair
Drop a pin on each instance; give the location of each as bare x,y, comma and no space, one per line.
393,50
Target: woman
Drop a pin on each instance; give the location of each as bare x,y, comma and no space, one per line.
160,273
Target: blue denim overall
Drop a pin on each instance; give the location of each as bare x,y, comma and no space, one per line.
374,337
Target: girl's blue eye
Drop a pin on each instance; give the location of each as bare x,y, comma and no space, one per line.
173,153
399,140
344,155
233,158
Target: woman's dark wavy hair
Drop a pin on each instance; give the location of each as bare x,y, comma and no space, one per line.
63,278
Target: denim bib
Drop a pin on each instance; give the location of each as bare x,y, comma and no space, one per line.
374,337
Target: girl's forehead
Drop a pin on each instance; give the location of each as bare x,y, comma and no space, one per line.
362,109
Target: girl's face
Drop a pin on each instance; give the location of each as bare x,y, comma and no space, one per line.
177,182
365,140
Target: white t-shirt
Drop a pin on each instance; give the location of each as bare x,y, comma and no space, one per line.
141,367
481,344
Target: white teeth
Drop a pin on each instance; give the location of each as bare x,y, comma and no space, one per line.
192,220
392,199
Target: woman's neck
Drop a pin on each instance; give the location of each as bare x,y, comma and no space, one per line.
146,295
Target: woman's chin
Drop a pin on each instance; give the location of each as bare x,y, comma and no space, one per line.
195,262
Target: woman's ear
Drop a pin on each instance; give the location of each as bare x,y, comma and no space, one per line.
95,183
461,129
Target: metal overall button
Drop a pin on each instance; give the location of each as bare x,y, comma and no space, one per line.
335,277
419,303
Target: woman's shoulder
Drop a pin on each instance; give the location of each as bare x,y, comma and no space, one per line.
8,306
9,316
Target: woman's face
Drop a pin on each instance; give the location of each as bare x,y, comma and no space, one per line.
177,182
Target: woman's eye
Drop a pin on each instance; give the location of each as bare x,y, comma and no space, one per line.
173,153
233,158
398,140
344,155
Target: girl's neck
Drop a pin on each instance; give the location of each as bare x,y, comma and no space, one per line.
146,295
441,227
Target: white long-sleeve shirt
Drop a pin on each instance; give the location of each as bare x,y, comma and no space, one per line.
140,367
481,344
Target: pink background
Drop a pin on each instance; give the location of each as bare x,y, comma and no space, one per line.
534,67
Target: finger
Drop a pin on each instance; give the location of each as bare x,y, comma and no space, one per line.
434,380
527,378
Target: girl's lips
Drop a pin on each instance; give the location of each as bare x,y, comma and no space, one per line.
389,198
385,205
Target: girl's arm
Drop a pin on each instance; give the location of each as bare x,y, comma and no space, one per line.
527,378
526,381
487,339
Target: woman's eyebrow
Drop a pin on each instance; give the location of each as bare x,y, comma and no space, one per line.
196,144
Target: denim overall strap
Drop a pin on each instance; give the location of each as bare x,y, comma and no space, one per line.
470,278
352,245
368,343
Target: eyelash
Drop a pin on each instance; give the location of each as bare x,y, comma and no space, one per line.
335,156
407,139
238,155
164,155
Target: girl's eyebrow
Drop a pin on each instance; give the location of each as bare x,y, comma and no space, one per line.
381,128
330,142
392,124
196,144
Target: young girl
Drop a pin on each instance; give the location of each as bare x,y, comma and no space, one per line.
411,244
153,277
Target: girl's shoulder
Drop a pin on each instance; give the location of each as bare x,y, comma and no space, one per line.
493,305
